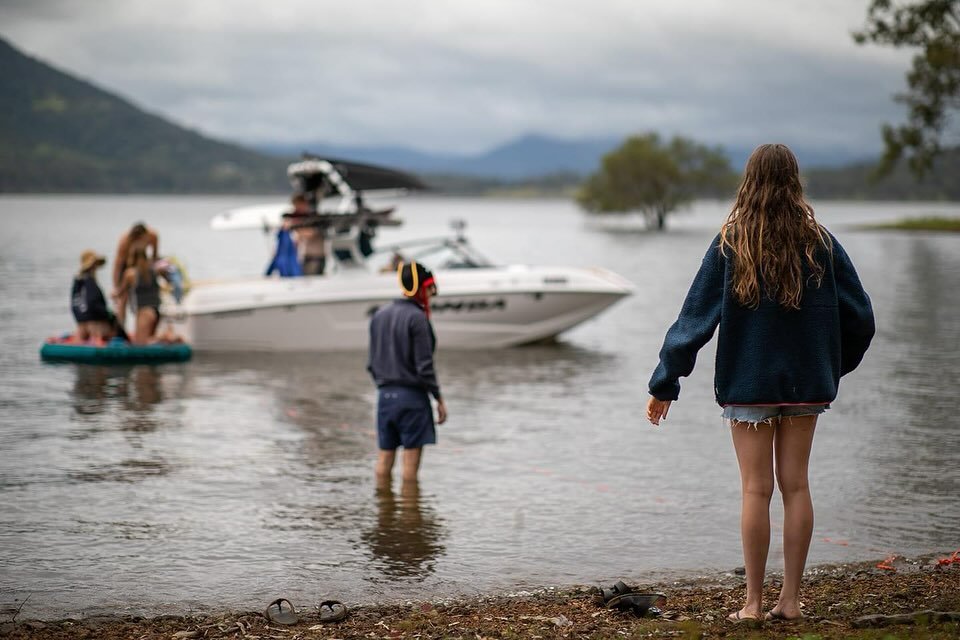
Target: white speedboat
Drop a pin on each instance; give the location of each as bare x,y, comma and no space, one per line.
479,305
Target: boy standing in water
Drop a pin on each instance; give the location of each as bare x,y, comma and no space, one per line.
402,343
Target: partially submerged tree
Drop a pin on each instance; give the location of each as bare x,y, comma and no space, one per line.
652,178
933,26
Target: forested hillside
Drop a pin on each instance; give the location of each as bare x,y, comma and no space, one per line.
60,134
854,182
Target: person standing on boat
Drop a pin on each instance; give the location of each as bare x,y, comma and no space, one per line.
793,319
285,261
402,343
311,239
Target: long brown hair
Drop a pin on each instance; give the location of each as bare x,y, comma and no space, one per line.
771,231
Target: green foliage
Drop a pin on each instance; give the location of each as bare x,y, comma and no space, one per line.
854,181
60,134
931,223
933,26
653,178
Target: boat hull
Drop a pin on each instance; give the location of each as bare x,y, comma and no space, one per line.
476,309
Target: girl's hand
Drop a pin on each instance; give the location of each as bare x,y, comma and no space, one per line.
657,409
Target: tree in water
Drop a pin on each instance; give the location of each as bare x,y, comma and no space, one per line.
654,178
933,26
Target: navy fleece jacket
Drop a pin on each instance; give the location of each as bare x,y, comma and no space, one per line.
769,355
401,347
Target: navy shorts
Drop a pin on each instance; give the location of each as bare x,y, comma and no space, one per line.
404,418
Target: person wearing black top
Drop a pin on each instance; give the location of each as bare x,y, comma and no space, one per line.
89,307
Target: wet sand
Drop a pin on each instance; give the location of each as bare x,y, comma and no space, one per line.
838,602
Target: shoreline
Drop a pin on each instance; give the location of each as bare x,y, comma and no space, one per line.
836,599
938,224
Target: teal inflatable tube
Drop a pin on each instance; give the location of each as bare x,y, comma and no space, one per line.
115,352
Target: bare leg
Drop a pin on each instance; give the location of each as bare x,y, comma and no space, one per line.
385,465
411,464
100,330
83,331
754,447
410,489
384,481
146,325
792,444
121,311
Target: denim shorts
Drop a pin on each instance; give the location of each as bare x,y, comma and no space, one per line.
404,418
755,413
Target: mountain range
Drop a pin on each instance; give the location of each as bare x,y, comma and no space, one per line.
527,157
59,133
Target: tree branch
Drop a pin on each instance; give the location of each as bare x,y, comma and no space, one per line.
14,618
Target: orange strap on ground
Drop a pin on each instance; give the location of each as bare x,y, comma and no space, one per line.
887,565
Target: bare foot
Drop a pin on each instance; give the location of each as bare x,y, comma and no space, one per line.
784,613
745,617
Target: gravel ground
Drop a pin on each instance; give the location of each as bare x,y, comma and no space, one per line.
840,601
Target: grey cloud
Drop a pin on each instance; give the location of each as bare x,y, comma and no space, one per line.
462,76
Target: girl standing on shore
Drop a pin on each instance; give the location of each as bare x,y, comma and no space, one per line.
793,318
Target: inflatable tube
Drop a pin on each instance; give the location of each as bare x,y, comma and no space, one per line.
114,352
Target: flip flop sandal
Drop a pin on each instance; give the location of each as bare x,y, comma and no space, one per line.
776,616
332,611
275,612
618,589
747,621
639,603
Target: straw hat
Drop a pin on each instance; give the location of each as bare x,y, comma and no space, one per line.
91,260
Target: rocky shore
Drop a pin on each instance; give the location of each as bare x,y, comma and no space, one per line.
894,598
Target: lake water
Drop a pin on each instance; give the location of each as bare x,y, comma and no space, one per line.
229,481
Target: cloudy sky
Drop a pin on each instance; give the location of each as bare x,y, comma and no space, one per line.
466,75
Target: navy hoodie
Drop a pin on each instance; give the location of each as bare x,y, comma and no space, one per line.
770,354
401,347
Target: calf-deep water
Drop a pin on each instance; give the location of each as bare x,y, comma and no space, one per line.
231,480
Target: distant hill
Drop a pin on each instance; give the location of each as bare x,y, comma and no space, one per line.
854,182
61,134
530,156
850,182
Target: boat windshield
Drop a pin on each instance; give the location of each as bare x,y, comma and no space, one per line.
439,253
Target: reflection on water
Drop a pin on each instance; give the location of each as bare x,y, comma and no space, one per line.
407,536
924,374
137,388
130,398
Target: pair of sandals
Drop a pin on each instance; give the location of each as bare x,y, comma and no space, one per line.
769,616
330,611
624,598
